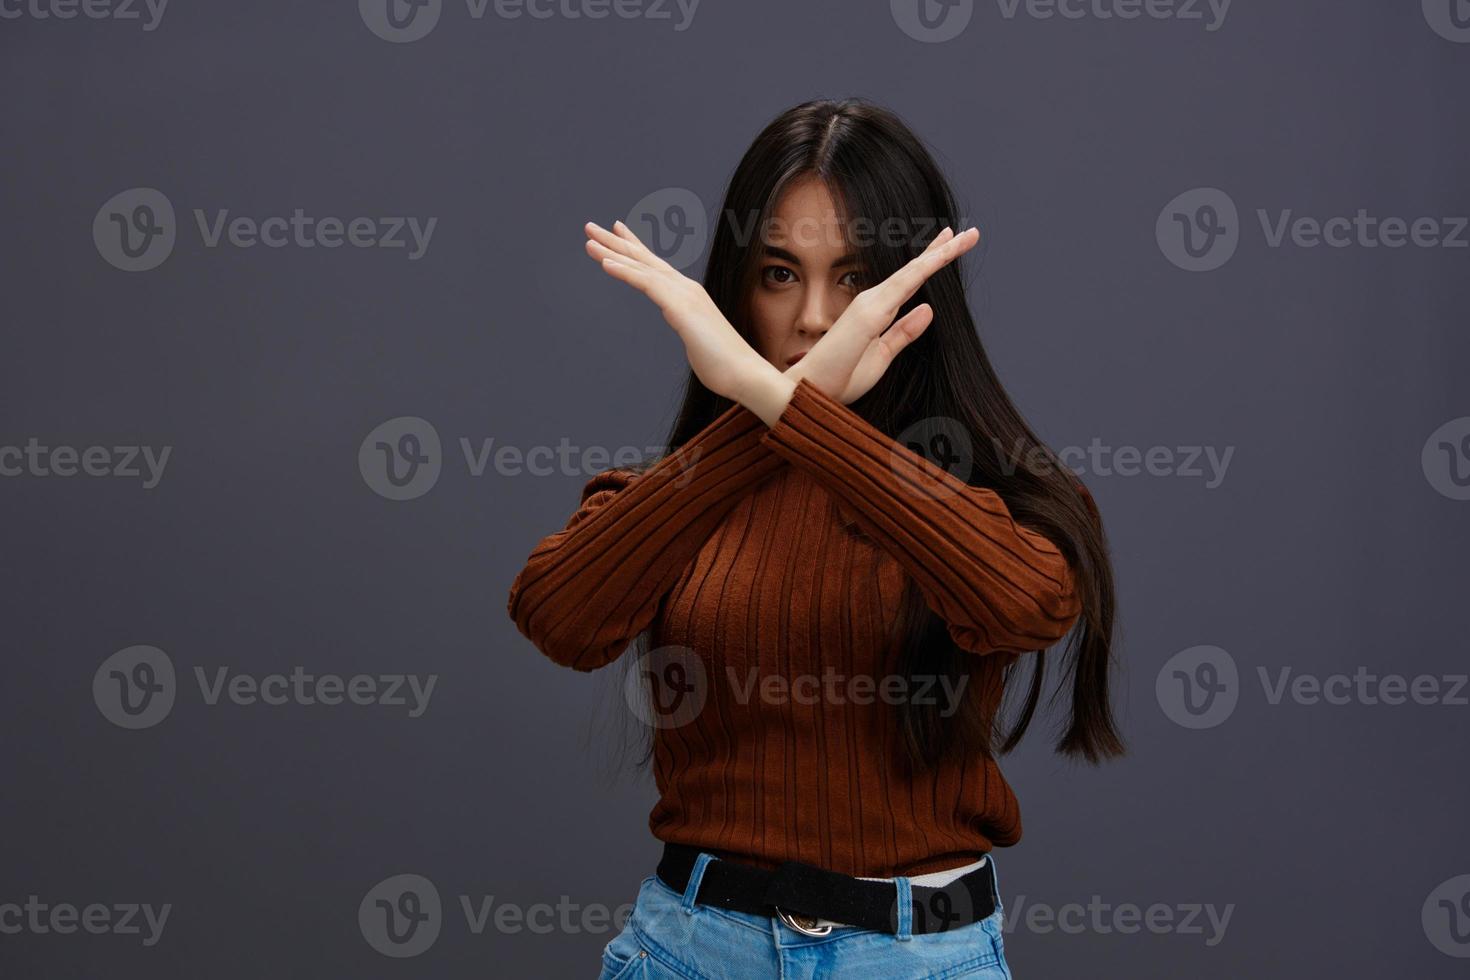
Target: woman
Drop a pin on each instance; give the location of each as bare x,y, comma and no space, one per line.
826,617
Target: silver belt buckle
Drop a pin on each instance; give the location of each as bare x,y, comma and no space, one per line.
803,923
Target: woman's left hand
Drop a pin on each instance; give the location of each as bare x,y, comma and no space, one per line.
720,357
864,340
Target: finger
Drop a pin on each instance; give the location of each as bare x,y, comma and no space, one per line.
906,329
895,290
931,261
610,241
952,249
898,287
641,250
936,242
630,274
945,235
599,251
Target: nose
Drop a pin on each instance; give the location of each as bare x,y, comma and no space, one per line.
815,317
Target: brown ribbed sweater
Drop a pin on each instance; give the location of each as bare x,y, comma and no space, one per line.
731,547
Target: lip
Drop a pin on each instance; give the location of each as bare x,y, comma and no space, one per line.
792,360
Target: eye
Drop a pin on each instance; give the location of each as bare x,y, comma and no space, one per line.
777,275
857,280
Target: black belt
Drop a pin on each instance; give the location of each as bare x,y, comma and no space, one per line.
802,893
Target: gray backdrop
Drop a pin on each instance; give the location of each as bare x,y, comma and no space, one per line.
1273,420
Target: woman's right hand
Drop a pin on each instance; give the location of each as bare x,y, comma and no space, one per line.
720,357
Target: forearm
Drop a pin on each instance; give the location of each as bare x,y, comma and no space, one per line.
999,584
588,589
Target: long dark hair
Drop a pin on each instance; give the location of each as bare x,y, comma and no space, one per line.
877,170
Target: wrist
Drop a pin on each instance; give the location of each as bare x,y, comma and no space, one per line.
767,393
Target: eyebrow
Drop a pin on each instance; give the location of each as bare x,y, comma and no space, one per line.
850,258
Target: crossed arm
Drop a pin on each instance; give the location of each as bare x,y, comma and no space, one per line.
588,589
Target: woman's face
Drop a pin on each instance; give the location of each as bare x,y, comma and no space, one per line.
806,274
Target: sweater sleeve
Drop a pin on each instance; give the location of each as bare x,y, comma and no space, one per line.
591,587
999,586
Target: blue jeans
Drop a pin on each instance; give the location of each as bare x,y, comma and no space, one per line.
669,936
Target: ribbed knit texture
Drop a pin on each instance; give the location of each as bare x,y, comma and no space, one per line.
733,548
